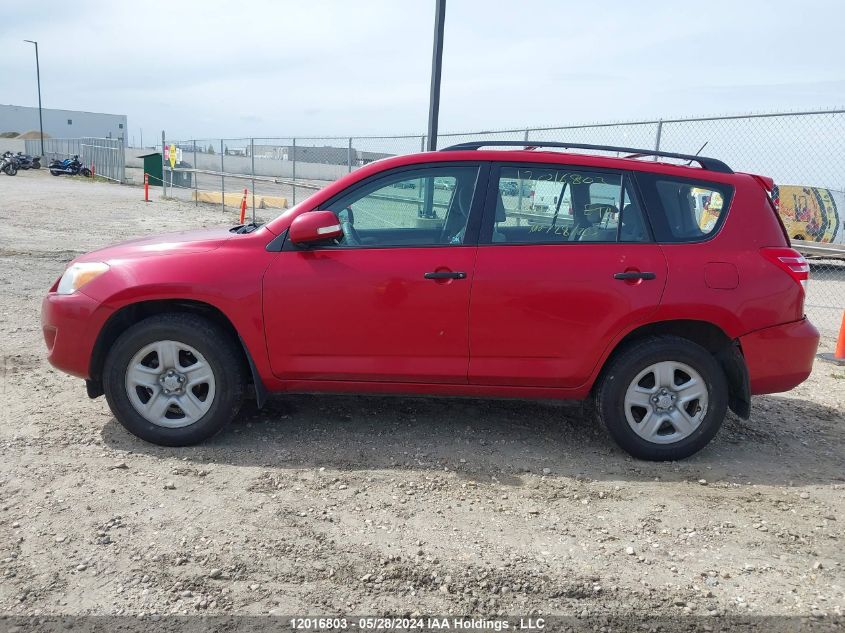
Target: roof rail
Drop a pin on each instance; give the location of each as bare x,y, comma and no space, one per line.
711,164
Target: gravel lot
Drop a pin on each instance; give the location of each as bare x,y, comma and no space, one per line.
371,505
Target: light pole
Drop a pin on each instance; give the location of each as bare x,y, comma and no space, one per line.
38,76
436,64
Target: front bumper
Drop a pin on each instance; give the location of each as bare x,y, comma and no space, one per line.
780,358
70,324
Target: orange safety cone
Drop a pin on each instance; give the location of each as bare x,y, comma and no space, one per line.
243,207
838,356
146,187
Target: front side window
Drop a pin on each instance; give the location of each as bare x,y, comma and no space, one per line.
549,205
685,210
422,207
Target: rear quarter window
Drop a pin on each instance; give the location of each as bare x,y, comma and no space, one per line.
684,210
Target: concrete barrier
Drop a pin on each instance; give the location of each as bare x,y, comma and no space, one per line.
273,202
234,198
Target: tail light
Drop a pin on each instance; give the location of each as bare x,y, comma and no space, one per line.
790,261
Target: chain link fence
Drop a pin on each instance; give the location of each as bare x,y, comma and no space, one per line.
106,157
803,151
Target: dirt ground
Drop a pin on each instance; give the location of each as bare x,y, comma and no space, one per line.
376,505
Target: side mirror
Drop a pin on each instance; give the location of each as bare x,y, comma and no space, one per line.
314,226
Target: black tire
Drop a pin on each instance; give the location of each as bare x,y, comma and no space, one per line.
627,365
11,170
85,172
36,164
223,354
55,173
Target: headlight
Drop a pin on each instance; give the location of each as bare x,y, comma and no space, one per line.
77,275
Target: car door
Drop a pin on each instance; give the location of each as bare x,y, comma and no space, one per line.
390,301
556,280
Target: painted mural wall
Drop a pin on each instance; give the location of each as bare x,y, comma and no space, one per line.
811,213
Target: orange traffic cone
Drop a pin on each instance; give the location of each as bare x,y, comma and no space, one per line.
838,355
243,207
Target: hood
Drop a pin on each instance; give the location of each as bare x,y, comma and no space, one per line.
182,242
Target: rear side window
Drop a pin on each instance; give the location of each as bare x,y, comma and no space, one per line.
540,204
684,210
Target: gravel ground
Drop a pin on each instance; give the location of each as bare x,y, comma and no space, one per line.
371,505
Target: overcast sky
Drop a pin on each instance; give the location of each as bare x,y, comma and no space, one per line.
296,67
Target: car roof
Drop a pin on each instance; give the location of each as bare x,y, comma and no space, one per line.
590,160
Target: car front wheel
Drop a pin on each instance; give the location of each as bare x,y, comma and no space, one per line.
174,379
663,398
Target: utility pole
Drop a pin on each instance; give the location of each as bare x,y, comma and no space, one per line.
38,77
436,65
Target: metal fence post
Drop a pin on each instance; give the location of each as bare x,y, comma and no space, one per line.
519,182
163,184
196,175
422,143
222,176
657,136
293,151
349,157
252,158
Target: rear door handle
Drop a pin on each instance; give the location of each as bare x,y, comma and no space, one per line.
445,275
634,275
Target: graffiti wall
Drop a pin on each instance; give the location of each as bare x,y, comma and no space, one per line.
811,213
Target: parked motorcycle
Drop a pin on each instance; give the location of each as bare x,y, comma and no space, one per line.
69,166
25,161
9,164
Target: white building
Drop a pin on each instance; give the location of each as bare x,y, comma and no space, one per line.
62,123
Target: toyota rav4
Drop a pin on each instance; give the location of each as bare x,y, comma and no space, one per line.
666,293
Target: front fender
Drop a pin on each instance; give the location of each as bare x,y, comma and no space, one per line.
227,280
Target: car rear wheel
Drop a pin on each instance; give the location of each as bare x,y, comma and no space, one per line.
174,379
663,398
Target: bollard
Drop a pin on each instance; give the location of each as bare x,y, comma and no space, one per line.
243,207
838,356
146,187
93,171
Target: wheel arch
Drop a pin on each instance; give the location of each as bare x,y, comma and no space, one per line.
133,313
726,350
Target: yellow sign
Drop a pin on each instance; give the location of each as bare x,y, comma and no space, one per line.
172,156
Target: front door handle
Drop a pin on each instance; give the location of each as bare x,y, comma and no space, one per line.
632,275
446,274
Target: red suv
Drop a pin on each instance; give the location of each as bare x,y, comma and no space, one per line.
667,293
